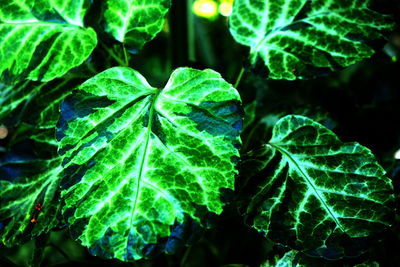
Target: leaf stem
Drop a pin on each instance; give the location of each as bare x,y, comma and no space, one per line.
125,56
112,54
239,78
190,32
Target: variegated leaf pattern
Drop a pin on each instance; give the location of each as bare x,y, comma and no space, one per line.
141,163
29,193
135,22
311,186
43,39
303,38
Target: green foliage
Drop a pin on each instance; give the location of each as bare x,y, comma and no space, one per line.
35,103
312,186
135,22
301,38
129,139
29,182
43,39
130,170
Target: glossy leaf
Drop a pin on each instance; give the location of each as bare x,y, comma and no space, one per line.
301,38
142,161
312,187
135,22
27,183
43,39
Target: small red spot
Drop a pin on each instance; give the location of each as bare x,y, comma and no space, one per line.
39,207
33,220
293,70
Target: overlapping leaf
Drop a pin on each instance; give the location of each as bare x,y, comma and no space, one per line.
29,193
135,22
33,102
43,39
312,187
142,162
301,38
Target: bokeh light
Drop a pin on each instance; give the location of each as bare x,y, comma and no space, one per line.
225,7
205,8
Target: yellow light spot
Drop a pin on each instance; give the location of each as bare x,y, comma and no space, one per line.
3,132
225,8
205,8
397,154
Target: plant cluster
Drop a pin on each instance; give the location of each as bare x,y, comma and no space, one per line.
135,169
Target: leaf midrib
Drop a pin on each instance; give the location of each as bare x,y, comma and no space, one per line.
144,156
308,181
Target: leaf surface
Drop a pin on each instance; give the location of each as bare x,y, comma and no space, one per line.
27,180
135,22
143,162
301,38
312,187
43,39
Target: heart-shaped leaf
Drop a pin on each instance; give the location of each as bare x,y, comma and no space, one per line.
142,162
311,187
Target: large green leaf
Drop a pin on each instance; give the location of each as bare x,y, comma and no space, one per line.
141,162
27,181
312,188
135,22
301,38
43,39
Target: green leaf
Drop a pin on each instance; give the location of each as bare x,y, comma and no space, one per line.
43,39
143,162
312,187
135,22
33,102
301,38
27,180
72,11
